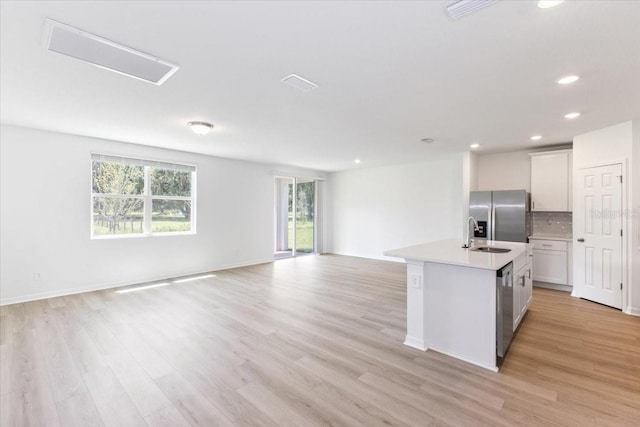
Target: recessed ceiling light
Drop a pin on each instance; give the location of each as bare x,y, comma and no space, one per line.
568,80
428,140
571,115
356,161
200,128
546,4
536,138
474,145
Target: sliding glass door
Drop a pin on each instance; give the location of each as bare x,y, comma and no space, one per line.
295,211
305,216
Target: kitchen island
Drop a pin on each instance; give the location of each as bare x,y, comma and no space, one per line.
451,297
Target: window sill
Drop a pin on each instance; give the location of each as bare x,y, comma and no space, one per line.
138,236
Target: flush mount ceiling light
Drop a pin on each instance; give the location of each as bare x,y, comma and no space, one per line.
103,53
356,161
456,9
474,146
299,83
536,138
200,128
547,4
571,115
568,80
428,140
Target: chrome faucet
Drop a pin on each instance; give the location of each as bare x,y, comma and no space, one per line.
475,227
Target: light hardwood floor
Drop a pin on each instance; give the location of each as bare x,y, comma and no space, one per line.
308,341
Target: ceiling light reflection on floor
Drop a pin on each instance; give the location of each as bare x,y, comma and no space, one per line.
141,288
189,279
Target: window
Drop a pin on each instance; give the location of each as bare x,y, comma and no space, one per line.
132,197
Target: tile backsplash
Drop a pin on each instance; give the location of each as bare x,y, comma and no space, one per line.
554,223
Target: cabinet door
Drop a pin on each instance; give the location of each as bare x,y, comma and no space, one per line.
528,289
518,279
550,266
550,182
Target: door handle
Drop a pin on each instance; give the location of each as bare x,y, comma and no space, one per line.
580,239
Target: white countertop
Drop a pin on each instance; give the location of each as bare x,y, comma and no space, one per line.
451,252
564,238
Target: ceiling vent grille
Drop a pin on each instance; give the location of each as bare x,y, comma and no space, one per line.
456,9
299,83
103,53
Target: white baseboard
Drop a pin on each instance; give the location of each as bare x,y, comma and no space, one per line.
102,286
632,311
464,359
415,343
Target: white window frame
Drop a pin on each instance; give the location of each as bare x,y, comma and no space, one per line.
146,196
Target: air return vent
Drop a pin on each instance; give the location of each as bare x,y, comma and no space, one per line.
299,83
456,9
103,53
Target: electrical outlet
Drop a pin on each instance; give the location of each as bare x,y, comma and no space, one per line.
416,281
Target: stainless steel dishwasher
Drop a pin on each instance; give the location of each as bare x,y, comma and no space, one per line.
504,309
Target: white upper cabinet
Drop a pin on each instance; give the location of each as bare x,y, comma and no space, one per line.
551,181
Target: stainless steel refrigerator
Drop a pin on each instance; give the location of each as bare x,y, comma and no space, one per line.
501,215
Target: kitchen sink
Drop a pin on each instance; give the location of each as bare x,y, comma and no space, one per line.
491,249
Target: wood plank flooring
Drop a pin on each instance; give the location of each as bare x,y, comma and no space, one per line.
309,341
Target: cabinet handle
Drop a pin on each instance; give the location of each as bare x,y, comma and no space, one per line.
580,239
529,273
546,245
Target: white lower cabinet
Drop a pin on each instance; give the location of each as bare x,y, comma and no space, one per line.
522,289
551,261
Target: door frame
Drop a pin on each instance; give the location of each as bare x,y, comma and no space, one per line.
623,162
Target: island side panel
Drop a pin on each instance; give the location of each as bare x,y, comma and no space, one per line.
416,327
460,312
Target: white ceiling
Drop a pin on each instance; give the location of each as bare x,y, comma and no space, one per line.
390,73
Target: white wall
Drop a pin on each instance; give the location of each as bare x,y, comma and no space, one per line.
45,218
469,183
473,172
504,171
377,209
616,144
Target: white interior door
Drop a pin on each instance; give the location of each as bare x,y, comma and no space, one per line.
598,221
